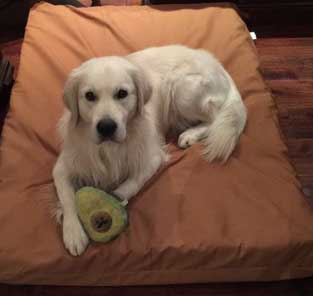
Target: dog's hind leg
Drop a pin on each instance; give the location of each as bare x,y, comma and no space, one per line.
217,104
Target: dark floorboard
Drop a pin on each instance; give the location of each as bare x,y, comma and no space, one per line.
288,288
287,66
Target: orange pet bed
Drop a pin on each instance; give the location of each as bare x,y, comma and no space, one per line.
196,221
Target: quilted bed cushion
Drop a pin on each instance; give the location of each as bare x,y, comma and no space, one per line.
196,222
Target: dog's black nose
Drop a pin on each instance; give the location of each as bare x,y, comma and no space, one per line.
106,127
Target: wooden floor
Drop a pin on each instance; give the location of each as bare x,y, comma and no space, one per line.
287,66
291,288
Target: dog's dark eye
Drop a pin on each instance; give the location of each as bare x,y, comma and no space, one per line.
90,96
121,94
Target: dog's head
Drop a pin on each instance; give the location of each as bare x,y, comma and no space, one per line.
105,95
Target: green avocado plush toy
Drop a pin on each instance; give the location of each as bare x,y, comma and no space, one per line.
103,216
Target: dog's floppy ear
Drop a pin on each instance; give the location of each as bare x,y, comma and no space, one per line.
70,95
144,89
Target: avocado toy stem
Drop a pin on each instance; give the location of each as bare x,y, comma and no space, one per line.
124,202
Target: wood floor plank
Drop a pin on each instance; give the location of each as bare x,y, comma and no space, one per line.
12,50
297,123
286,49
277,43
286,288
300,152
303,168
287,67
302,148
285,58
291,94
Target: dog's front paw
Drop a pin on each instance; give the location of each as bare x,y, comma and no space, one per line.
74,236
187,138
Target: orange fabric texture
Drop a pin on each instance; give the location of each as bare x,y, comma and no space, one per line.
195,221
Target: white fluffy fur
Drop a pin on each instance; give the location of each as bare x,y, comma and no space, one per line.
170,88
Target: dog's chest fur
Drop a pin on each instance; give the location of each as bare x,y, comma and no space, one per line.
107,165
103,166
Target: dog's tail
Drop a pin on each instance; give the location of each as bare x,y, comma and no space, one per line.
226,128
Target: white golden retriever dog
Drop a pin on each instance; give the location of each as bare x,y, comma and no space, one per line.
118,111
